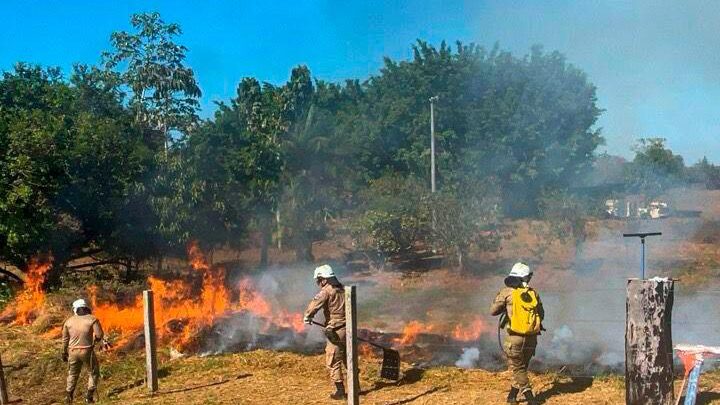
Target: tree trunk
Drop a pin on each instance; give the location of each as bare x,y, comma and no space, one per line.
279,229
19,276
265,238
130,273
303,250
648,343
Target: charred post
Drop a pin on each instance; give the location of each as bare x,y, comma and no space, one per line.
353,379
648,342
3,387
150,340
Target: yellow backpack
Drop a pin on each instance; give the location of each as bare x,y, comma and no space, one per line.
525,319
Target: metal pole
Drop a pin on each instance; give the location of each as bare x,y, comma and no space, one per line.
150,352
642,236
432,142
432,157
642,242
3,387
353,378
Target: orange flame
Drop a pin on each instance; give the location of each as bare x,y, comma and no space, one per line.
470,333
182,312
32,298
411,332
366,351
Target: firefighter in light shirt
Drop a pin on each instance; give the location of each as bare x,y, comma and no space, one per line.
523,314
331,300
81,332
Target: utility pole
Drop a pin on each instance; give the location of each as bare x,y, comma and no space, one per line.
433,99
432,142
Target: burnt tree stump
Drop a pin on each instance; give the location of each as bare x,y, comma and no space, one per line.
648,343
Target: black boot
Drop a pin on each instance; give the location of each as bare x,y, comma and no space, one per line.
90,397
68,397
530,398
512,395
339,391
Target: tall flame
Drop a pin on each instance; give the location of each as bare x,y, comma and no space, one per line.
471,332
182,311
411,331
32,298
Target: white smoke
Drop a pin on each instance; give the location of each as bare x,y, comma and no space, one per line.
469,358
286,290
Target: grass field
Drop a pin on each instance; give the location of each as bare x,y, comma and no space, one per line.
36,375
439,296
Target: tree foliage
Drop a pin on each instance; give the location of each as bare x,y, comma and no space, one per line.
66,170
151,65
464,218
115,159
655,167
706,173
526,122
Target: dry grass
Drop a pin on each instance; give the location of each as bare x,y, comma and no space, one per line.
36,375
688,249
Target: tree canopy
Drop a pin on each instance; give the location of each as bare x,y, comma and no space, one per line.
114,161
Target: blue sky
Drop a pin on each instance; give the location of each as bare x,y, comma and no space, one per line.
656,63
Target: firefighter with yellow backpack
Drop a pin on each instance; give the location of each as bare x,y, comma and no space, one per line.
524,313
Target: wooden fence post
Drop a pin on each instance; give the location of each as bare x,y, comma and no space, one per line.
150,352
353,379
3,387
648,342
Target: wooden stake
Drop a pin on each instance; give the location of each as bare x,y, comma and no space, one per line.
150,352
648,343
3,387
353,379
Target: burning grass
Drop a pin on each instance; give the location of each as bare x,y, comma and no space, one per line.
198,312
31,299
36,374
187,307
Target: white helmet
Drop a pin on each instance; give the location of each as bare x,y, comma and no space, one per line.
520,270
323,271
79,303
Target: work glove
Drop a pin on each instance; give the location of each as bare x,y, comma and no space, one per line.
64,357
307,320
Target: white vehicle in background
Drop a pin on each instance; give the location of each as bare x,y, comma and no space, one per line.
658,209
632,209
611,209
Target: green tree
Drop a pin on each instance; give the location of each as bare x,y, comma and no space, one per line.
463,218
394,216
705,173
655,168
33,140
526,122
69,156
233,168
319,162
163,92
148,65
